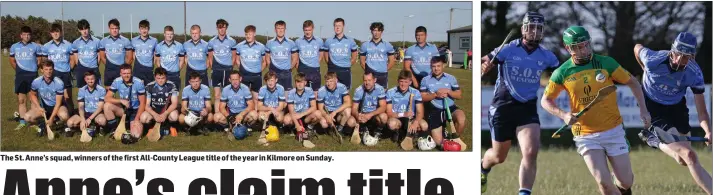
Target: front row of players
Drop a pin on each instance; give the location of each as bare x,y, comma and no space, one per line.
301,109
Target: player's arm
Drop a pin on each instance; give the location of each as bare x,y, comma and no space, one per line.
390,111
174,103
34,100
234,57
100,108
181,62
223,108
346,102
153,113
281,105
407,67
426,94
102,56
81,109
455,93
321,56
142,106
392,59
13,63
157,59
267,58
58,98
380,109
622,76
109,98
354,57
312,107
637,49
72,60
419,111
184,105
208,108
552,90
355,108
703,117
251,106
325,56
295,59
209,61
129,58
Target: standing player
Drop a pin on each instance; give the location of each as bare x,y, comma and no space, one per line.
197,52
236,105
271,100
114,51
221,54
86,54
171,56
196,99
281,52
90,99
513,112
599,134
303,106
377,55
341,53
161,94
46,99
417,59
435,89
373,112
334,97
128,88
144,51
397,108
310,55
667,74
59,51
24,58
251,61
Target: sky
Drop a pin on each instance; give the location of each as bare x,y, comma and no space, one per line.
357,15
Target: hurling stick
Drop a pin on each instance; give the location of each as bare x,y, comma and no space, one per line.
334,127
85,136
355,135
305,143
601,95
122,124
454,133
50,134
154,133
407,143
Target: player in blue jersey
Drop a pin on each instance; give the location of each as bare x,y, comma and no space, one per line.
144,50
59,51
114,51
236,105
90,100
435,89
310,55
221,54
372,115
46,98
417,58
161,101
24,58
335,98
132,97
86,54
196,99
251,60
340,53
281,53
513,112
197,55
271,100
303,106
397,108
667,75
171,56
377,55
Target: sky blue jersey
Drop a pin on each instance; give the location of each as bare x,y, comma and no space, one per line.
59,54
91,98
420,58
271,98
48,92
332,99
222,52
251,55
236,98
301,101
137,88
340,51
196,97
25,55
87,51
170,54
144,50
377,54
309,51
115,49
432,84
664,85
196,53
281,53
371,98
399,100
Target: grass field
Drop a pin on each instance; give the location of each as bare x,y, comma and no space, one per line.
26,140
562,171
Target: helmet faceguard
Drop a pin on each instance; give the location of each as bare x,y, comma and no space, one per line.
683,49
533,25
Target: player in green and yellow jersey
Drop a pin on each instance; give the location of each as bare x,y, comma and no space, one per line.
598,133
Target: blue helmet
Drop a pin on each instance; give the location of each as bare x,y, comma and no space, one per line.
240,132
685,43
533,25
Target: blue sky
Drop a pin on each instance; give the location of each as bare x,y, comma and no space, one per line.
358,15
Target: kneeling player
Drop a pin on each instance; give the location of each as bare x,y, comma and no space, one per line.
236,105
271,100
303,108
369,108
334,101
162,97
131,101
91,103
196,100
398,100
50,89
436,89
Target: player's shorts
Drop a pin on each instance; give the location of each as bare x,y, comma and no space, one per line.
344,76
612,141
203,73
220,78
174,77
418,79
252,80
382,78
23,81
66,78
145,73
284,78
313,77
437,117
668,116
131,114
79,71
111,72
505,119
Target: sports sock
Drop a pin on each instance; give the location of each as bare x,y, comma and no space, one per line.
624,191
524,191
484,170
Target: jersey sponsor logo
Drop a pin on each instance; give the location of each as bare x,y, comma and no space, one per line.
308,53
589,98
25,55
600,77
526,75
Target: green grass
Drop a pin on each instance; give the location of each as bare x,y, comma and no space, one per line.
26,140
562,171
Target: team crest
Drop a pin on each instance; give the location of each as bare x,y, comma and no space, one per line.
600,77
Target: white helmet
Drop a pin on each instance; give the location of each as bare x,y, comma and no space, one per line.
191,119
426,143
370,140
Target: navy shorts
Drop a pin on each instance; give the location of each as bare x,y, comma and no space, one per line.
252,80
23,81
668,116
142,72
79,71
381,78
505,119
111,72
344,76
284,78
436,117
174,77
66,78
314,79
203,73
418,79
220,78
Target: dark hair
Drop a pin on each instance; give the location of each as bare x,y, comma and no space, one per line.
114,22
249,28
421,29
125,66
56,28
47,63
235,72
269,74
377,25
280,23
300,77
221,22
89,73
404,75
307,23
368,73
168,28
26,29
194,75
145,23
339,20
437,59
159,71
83,24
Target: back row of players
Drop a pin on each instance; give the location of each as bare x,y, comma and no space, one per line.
239,94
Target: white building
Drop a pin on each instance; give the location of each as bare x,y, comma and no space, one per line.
459,42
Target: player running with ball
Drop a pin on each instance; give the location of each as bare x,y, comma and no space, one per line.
598,133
